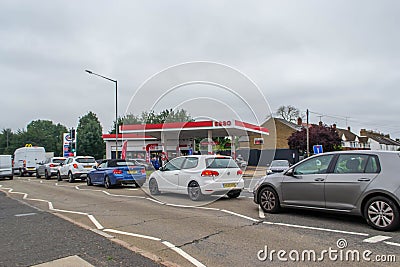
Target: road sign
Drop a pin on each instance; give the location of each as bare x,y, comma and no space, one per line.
317,149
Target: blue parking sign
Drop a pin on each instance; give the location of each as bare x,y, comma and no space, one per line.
318,149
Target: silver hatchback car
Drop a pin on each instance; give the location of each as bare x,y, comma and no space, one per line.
365,183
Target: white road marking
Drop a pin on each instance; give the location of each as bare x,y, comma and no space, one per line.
132,234
376,239
392,243
102,233
25,214
317,228
183,254
261,213
156,201
240,215
95,222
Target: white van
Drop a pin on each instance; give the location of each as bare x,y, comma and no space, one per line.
26,159
6,166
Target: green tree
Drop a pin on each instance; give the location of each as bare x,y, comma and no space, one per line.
89,136
45,133
6,137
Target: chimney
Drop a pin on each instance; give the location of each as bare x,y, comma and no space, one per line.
299,121
348,128
363,132
334,126
320,123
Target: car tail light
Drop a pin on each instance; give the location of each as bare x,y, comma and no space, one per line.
239,172
52,165
209,173
143,171
116,171
75,165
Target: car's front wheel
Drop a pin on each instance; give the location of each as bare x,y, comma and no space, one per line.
194,191
89,181
153,187
269,200
37,174
382,214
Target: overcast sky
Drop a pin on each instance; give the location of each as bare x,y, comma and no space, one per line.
337,58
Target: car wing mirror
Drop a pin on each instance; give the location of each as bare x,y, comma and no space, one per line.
290,172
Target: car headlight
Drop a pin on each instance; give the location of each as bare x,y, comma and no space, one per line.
258,184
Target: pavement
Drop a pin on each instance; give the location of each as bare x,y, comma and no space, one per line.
32,237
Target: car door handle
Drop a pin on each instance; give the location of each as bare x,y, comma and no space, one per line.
319,179
364,180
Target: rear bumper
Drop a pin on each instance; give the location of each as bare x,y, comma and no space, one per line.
217,187
129,180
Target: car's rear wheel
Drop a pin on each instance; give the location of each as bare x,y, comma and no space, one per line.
269,200
153,187
11,177
46,175
107,182
382,213
21,173
194,191
59,178
234,193
71,177
37,174
89,181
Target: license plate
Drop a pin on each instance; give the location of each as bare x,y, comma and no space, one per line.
229,185
132,172
88,167
30,168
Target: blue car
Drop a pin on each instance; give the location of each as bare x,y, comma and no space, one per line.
112,172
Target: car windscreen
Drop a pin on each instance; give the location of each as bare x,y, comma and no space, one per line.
221,163
85,160
58,160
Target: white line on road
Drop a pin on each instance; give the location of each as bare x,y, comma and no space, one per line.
240,215
156,201
317,228
95,222
183,254
99,232
261,212
376,239
132,234
25,214
392,243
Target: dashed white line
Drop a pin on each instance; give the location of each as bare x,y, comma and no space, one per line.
376,239
392,243
95,222
183,254
240,215
25,214
132,234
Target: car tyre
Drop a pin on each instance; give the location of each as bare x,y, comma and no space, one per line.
382,214
37,175
70,177
194,191
21,173
153,187
269,200
234,193
59,178
46,175
11,177
89,181
107,182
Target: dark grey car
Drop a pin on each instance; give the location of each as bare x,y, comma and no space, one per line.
365,183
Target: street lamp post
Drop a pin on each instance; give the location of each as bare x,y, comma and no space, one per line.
116,108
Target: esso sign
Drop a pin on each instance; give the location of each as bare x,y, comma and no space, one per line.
222,123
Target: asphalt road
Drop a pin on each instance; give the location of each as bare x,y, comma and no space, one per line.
223,232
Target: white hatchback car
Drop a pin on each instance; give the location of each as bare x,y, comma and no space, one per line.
76,167
198,176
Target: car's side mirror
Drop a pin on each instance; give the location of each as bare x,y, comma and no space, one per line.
162,168
290,172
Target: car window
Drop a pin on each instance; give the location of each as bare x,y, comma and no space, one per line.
58,160
174,164
85,160
103,164
314,165
190,163
69,160
355,163
220,163
280,163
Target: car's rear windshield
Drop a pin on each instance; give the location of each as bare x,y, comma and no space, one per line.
120,163
85,160
280,163
220,163
58,160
